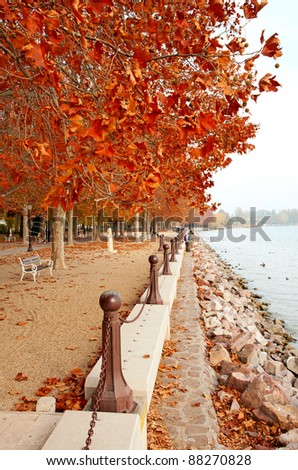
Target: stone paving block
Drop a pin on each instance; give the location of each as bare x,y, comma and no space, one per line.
26,430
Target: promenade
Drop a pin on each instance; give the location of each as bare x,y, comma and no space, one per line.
187,410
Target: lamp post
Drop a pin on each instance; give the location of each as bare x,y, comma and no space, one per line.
30,248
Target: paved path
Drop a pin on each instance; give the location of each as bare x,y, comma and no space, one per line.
192,422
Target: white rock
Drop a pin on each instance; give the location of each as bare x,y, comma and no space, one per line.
215,305
292,364
227,296
235,407
212,322
222,332
218,354
210,277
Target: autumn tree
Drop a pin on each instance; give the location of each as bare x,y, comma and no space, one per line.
122,97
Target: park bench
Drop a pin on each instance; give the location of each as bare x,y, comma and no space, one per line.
34,265
10,238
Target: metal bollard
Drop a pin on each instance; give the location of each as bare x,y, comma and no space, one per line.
166,265
117,395
173,251
154,295
161,239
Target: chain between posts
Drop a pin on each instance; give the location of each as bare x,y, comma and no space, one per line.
102,376
143,306
100,386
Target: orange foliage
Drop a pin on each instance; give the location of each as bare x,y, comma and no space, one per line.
152,101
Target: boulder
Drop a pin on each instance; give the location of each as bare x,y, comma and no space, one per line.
202,282
291,446
292,364
264,388
227,296
235,407
249,354
245,293
230,313
285,415
288,437
234,375
222,332
273,367
212,322
215,305
260,338
210,277
240,380
241,340
218,354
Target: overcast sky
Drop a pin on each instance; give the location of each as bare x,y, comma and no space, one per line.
267,177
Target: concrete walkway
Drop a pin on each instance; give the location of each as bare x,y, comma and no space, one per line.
191,422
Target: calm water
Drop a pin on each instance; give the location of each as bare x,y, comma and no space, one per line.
277,281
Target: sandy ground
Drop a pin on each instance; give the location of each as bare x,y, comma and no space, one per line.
53,326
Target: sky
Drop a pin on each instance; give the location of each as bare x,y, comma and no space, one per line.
267,177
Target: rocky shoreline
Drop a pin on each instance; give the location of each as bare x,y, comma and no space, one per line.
250,351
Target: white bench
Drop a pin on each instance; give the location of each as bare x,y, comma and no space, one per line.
10,238
34,265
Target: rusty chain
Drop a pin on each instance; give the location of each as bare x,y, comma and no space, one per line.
143,306
100,386
101,382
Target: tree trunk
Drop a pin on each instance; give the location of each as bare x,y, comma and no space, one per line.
70,227
100,218
75,226
25,226
58,238
137,232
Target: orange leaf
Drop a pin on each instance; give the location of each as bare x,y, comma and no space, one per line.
43,391
272,47
251,8
207,121
142,55
216,6
77,371
268,83
35,52
20,377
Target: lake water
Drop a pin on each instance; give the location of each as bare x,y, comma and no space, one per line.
270,267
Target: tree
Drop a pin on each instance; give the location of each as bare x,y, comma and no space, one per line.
122,97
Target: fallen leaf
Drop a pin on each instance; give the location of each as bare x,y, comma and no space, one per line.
77,371
20,377
146,356
197,403
173,376
43,391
